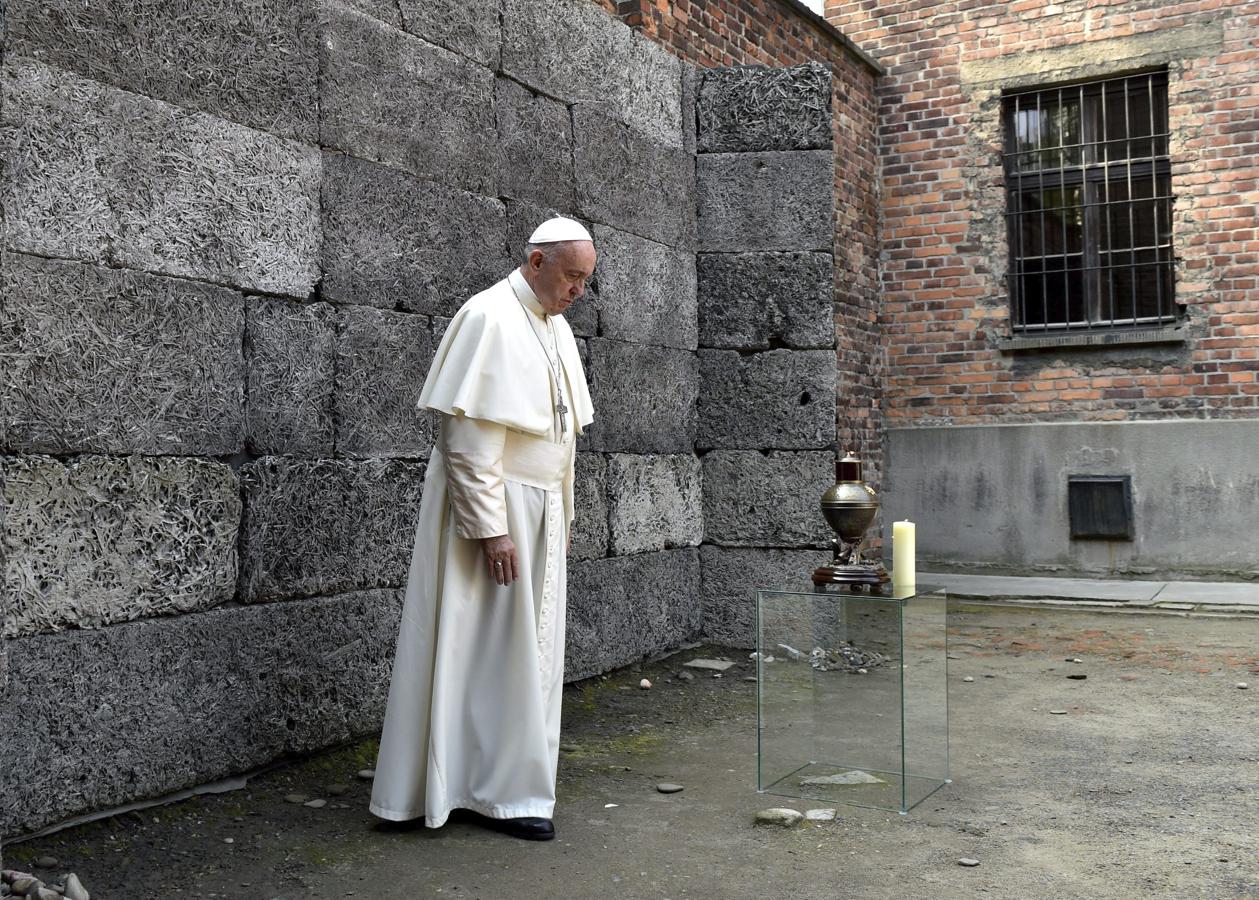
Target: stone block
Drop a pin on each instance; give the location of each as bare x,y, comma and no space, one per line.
590,527
623,609
96,173
388,97
291,354
536,134
782,399
101,360
255,63
106,539
744,109
471,28
766,201
396,242
754,499
632,182
731,577
644,397
96,719
578,53
382,361
691,77
654,503
522,218
648,291
755,301
322,526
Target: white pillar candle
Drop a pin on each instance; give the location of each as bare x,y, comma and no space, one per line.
903,555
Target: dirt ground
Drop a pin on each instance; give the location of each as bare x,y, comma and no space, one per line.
1147,786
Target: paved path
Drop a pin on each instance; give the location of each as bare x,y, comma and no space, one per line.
1230,598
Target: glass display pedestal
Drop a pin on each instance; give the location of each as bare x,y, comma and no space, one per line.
853,695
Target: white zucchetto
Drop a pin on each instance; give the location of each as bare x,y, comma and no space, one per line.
559,229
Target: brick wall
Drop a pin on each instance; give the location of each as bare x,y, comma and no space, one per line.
784,33
945,303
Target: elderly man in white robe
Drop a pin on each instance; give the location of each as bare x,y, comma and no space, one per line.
473,717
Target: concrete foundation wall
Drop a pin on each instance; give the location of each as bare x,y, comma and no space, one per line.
995,497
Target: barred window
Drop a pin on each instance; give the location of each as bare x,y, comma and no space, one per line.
1089,205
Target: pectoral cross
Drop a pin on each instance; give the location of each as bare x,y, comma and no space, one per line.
562,410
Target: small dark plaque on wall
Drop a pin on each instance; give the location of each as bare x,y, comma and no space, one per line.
1100,506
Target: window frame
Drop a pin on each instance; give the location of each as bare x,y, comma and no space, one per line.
1095,174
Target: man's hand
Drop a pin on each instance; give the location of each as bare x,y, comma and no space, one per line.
500,556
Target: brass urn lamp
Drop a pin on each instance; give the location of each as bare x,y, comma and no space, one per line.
849,507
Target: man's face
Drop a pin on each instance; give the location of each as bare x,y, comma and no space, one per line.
560,280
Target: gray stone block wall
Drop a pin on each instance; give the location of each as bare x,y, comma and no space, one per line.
286,248
95,173
395,241
644,397
590,526
777,399
393,98
537,146
765,284
291,360
100,360
109,539
654,502
632,182
624,608
731,578
766,201
757,301
382,359
571,50
755,499
647,291
105,716
313,527
252,63
744,109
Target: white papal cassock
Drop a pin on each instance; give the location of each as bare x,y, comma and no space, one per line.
474,705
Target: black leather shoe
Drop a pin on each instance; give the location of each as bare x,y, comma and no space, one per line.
528,828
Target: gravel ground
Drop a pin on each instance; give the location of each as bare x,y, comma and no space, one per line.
1143,782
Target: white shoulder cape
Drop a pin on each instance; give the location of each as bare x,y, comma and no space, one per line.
490,366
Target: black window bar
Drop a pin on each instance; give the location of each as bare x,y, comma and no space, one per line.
1089,205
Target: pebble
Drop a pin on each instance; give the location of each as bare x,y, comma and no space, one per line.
968,679
74,889
1057,712
685,676
47,862
295,798
820,815
749,678
645,684
1077,677
570,748
666,787
229,840
367,774
20,886
968,862
784,818
316,804
338,790
863,671
1127,678
1241,686
1074,659
46,893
